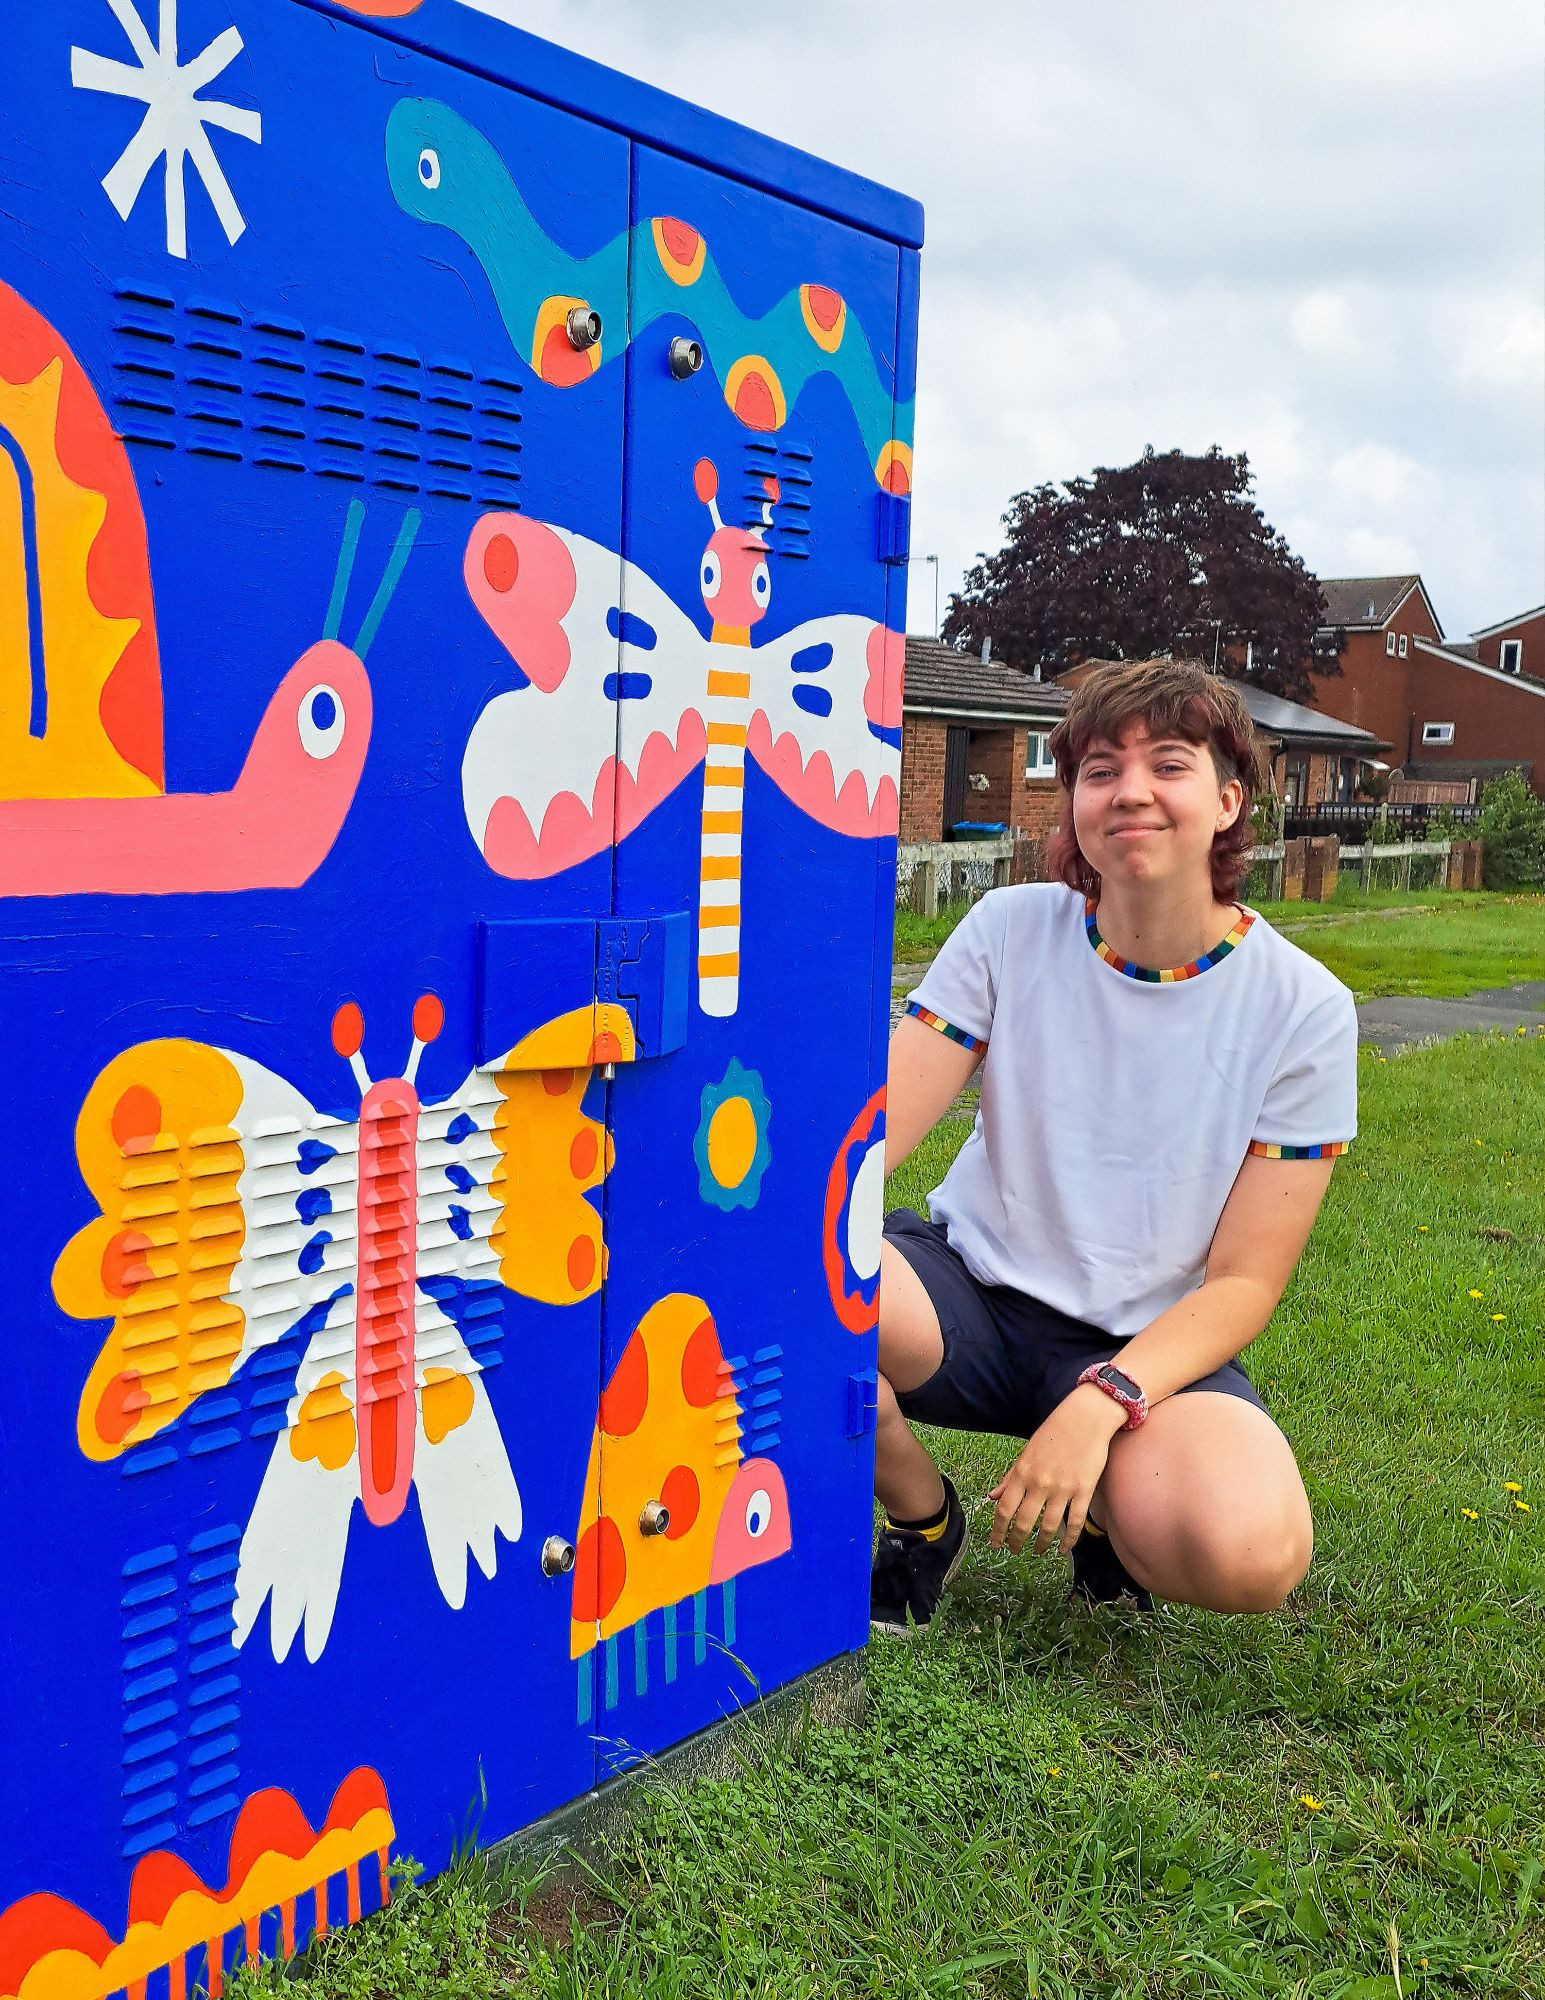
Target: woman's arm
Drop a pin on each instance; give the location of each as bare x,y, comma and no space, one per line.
1259,1239
927,1073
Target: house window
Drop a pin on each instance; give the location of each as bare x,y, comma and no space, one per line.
1437,732
1403,643
1389,644
1039,762
1512,656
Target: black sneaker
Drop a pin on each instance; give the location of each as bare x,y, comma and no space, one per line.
1101,1577
911,1573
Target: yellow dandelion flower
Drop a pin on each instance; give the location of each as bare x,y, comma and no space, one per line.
1310,1803
1054,1770
1523,1506
1475,1294
1498,1318
1469,1513
1422,1229
1511,1486
1213,1776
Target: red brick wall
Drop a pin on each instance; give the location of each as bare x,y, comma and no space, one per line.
922,777
1532,632
1030,805
1372,691
1491,718
990,753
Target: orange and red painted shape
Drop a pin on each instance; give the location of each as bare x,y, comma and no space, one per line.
52,1950
83,803
668,1430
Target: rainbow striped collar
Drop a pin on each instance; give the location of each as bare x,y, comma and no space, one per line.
1147,973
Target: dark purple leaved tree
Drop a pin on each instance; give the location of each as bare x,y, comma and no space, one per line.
1170,555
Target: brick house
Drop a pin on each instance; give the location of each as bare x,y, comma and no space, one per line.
1439,705
973,744
1314,759
1515,646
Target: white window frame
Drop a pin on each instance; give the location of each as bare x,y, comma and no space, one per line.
1516,647
1404,642
1437,732
1039,763
1389,644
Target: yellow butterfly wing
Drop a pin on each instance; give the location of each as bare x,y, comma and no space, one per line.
550,1155
159,1150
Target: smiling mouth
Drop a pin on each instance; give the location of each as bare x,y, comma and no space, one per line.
1123,832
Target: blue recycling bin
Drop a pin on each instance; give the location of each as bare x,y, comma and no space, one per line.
453,520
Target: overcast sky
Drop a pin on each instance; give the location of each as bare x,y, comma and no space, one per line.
1310,230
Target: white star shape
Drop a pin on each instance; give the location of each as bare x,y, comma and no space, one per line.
175,117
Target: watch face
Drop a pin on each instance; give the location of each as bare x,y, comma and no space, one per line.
1123,1384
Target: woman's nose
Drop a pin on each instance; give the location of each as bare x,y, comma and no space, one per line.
1133,786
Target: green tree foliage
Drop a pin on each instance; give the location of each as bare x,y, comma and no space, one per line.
1512,825
1170,555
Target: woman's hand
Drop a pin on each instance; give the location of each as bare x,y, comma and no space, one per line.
1053,1479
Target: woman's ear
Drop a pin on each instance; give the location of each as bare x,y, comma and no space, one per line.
1231,799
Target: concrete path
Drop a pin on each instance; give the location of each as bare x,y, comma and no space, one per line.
1388,1024
1398,1022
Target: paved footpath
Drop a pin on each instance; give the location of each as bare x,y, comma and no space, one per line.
1398,1022
1390,1024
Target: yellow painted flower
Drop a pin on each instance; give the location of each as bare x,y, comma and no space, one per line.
1469,1513
1310,1803
1511,1486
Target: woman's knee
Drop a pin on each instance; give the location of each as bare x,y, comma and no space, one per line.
911,1344
1248,1562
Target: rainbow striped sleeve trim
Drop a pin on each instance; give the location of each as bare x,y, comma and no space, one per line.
944,1027
1332,1150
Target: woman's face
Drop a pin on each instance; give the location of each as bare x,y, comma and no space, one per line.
1146,809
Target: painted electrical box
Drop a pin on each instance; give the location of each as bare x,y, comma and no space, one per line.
453,524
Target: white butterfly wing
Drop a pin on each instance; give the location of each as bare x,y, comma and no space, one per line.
613,671
820,694
292,1553
466,1491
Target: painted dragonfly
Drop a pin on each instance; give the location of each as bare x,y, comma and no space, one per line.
625,698
237,1222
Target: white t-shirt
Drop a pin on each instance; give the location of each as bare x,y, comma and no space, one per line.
1118,1103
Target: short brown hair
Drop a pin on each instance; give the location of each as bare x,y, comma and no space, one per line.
1171,698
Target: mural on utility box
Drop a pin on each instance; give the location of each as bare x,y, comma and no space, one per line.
674,1507
195,1930
84,807
818,709
234,1217
444,171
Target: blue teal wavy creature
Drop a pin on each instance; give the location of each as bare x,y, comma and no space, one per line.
444,171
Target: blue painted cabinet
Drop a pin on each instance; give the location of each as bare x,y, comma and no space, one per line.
452,530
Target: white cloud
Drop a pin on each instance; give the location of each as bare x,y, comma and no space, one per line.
1311,230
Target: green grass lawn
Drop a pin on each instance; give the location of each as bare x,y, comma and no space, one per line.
1434,944
1343,1800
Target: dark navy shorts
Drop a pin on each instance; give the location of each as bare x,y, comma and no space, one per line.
1008,1359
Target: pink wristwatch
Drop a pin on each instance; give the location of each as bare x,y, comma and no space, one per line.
1120,1388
